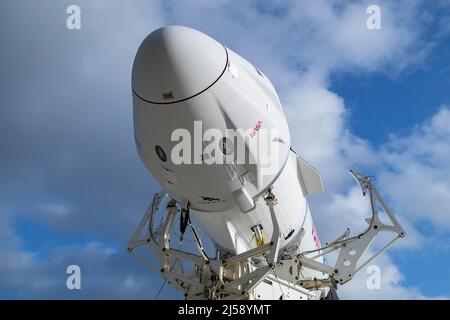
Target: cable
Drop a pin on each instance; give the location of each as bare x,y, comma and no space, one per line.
279,284
179,235
160,289
165,280
197,238
184,219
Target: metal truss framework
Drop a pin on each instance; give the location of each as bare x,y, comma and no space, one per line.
352,249
236,277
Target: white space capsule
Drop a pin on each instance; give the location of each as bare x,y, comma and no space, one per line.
186,83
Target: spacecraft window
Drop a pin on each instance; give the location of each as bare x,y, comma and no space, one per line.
226,146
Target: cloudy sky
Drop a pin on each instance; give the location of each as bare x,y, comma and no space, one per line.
72,188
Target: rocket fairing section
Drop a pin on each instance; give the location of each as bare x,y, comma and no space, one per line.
210,128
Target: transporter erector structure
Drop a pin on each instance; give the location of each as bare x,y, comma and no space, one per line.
210,128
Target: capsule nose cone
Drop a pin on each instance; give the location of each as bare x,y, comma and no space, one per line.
175,63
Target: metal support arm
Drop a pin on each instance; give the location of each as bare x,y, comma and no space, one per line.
352,249
212,277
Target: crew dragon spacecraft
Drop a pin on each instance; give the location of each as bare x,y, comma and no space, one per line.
210,128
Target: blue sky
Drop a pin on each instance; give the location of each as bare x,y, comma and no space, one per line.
72,187
395,104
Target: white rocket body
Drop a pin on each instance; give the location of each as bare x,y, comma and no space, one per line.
180,76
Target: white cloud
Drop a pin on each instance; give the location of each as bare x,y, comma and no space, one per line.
417,174
105,272
54,211
12,259
316,119
334,36
392,284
